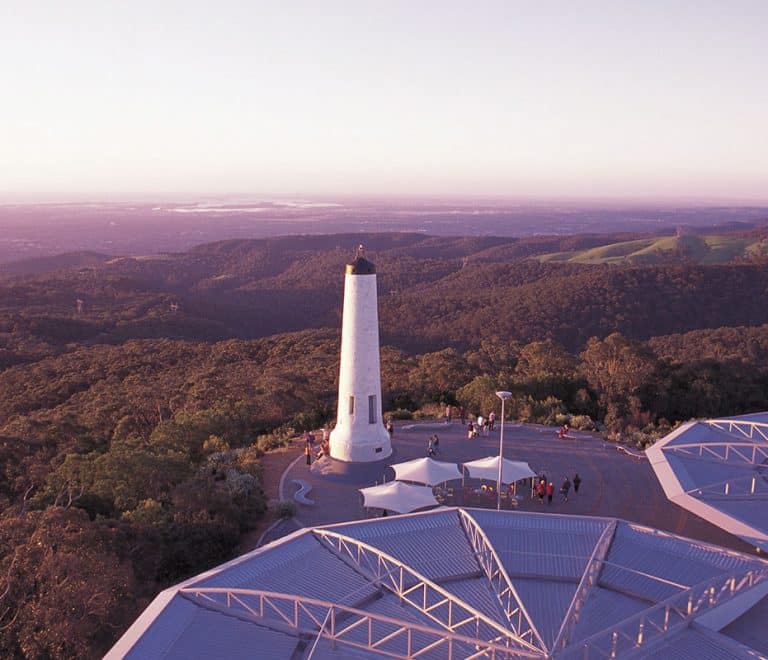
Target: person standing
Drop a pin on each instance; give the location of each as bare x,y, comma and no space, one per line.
576,483
462,415
308,452
448,414
470,431
540,490
436,444
550,492
492,420
390,428
565,489
431,446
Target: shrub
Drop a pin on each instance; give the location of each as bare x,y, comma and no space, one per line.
215,444
286,509
278,438
562,418
582,423
430,411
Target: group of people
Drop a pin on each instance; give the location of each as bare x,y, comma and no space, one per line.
483,425
309,446
546,488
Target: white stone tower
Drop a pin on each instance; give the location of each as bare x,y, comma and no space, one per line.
359,435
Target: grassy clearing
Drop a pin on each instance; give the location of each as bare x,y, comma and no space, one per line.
713,249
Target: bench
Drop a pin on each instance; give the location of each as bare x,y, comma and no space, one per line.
302,491
634,454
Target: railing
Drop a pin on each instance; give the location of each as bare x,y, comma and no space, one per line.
588,580
309,617
426,596
666,616
747,452
748,429
749,487
519,619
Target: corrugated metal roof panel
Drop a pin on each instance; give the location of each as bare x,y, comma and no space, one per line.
753,513
435,545
522,520
701,433
691,644
698,483
538,545
479,593
158,638
637,584
327,650
675,559
302,567
378,527
752,417
546,602
604,608
543,553
389,605
703,472
751,628
187,629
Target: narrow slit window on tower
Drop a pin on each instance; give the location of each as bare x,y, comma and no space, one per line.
351,404
372,409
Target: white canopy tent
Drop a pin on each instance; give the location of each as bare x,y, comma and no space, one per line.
488,468
426,471
399,497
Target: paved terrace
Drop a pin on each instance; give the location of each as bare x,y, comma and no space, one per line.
614,483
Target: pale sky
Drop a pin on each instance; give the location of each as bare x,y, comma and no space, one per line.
635,98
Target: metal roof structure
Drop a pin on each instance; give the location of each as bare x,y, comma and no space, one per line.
718,469
464,583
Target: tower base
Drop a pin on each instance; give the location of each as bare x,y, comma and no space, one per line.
351,448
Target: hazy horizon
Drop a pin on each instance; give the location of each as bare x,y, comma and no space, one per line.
224,198
547,102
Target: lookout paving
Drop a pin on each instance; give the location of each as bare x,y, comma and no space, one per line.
614,484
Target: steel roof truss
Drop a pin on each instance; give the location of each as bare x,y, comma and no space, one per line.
510,601
418,591
344,625
665,617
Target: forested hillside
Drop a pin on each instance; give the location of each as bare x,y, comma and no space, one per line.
133,422
434,292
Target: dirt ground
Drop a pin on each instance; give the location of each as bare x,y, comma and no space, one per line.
273,464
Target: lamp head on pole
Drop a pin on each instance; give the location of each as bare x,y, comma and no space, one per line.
503,395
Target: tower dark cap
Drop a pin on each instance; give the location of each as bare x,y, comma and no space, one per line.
361,265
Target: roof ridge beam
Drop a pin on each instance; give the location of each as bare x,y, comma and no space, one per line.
589,579
509,599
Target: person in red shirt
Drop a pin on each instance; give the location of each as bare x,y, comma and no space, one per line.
550,492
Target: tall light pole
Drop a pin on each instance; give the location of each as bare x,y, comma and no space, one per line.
503,396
